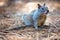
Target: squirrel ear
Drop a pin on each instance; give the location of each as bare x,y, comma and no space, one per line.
44,4
39,5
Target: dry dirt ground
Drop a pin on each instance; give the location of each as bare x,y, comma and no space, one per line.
29,33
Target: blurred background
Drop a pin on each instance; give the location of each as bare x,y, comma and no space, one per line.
12,10
10,16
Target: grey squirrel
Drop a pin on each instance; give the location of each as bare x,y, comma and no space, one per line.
33,20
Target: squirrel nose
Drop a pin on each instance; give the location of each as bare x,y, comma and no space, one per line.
47,11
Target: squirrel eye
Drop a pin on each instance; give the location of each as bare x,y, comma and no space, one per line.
42,9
